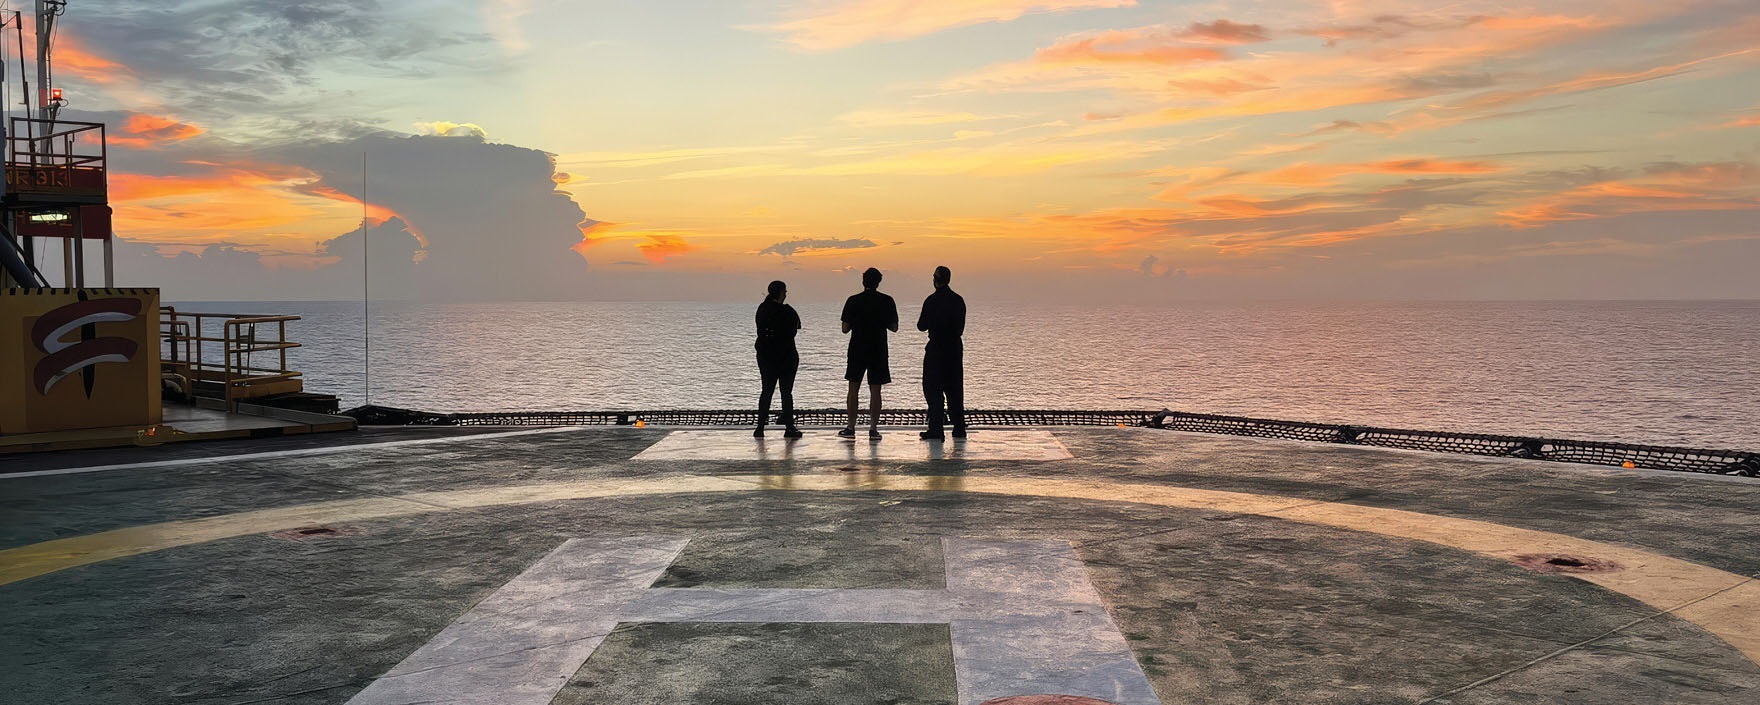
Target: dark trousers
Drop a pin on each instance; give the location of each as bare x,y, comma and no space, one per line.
778,370
944,386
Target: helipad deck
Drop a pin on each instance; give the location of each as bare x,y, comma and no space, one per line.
980,445
623,565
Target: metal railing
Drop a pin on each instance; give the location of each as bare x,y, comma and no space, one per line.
56,158
1631,455
223,349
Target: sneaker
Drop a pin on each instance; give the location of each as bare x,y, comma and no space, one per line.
847,432
759,433
959,433
873,434
931,436
791,432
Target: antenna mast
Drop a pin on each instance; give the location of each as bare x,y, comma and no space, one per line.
48,101
366,298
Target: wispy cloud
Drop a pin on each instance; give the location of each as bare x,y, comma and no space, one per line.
1662,187
659,248
502,18
806,246
846,23
143,131
1322,174
911,118
589,161
1190,76
1195,43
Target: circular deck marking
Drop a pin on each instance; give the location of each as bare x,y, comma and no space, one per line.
1722,603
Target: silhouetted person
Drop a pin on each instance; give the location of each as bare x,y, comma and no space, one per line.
866,318
944,317
777,359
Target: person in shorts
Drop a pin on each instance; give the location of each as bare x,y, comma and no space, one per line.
866,318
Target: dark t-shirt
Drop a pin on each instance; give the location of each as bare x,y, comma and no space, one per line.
944,317
869,315
777,324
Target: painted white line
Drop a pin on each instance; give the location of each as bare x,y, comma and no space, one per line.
890,606
825,446
1023,616
294,453
1039,626
521,645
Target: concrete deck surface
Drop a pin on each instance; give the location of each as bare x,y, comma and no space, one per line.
180,423
1224,570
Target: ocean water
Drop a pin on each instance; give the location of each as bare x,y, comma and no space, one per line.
1641,372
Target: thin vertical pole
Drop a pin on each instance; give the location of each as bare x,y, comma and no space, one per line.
366,300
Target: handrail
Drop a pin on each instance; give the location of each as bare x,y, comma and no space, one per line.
1630,455
187,335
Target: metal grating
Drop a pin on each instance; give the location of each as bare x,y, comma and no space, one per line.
1722,462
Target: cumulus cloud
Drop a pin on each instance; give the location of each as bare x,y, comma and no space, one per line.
473,219
234,271
808,245
444,128
1151,266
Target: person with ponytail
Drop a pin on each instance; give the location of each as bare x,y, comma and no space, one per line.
777,358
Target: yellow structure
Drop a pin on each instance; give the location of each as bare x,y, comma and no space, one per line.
78,358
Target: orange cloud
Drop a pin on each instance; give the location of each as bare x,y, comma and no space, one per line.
282,204
592,233
1666,187
211,207
1227,32
1093,51
659,248
1182,80
1591,81
851,22
1237,206
143,131
376,213
125,188
72,57
1153,45
656,246
1320,174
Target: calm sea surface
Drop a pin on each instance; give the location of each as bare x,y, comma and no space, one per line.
1646,372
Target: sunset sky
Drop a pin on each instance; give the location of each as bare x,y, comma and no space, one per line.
1108,149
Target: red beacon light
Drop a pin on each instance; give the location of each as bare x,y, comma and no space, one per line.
54,94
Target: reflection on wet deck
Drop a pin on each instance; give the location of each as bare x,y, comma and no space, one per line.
825,445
